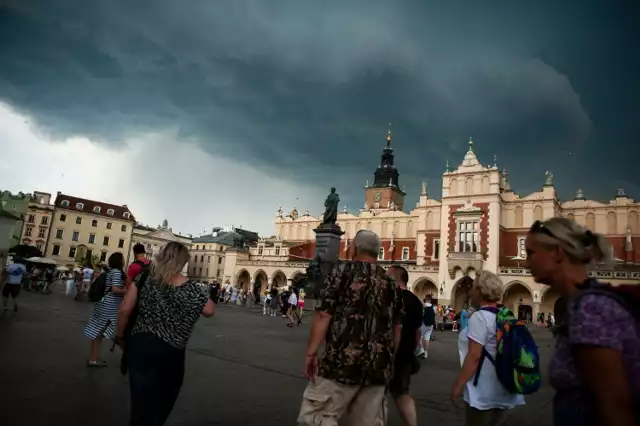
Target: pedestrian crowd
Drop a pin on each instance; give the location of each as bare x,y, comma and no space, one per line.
369,334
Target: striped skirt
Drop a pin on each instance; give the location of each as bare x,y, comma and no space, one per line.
103,319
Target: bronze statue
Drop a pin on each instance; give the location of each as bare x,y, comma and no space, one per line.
331,209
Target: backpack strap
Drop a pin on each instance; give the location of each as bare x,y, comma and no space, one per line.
485,353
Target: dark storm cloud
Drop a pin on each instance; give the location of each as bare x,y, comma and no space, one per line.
304,89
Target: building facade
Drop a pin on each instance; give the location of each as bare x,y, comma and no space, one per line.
479,223
83,229
15,205
37,221
154,239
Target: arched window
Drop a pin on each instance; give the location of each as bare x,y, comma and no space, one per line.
591,222
519,220
612,223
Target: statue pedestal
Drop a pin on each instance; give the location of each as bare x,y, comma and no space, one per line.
328,243
326,255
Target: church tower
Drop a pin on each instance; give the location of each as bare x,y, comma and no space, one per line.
385,193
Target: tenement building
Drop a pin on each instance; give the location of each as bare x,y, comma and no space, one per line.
37,221
154,239
479,223
84,230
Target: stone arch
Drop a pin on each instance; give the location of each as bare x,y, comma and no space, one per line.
468,186
590,220
260,280
486,184
548,299
278,279
429,221
385,230
243,279
518,297
409,229
423,287
460,293
396,229
296,276
570,216
453,190
612,223
537,213
633,222
519,219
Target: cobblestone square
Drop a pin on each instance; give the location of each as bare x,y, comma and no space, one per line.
242,369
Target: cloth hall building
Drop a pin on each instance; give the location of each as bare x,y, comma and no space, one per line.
479,223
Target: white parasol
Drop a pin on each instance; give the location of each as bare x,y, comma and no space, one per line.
41,260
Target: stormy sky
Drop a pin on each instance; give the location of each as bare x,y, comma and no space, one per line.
215,112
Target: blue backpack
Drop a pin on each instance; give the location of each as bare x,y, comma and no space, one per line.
517,362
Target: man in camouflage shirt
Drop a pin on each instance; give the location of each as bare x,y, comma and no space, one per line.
359,315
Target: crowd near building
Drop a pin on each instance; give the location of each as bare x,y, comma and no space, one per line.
479,223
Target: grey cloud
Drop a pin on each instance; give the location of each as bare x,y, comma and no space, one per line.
300,89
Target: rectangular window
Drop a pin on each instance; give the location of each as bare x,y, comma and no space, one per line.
105,241
123,228
32,218
89,254
381,254
109,224
522,251
92,238
63,217
436,250
259,251
79,220
44,220
278,251
103,256
200,272
218,273
94,223
42,232
405,253
76,236
208,259
201,258
72,252
219,260
56,250
39,246
28,231
468,237
207,272
121,243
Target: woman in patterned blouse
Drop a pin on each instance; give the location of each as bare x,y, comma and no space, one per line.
168,306
595,369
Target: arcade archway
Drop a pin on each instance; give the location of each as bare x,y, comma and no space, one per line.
423,287
260,280
278,279
548,301
243,280
518,297
460,293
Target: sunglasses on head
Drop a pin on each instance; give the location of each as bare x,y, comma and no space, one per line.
538,226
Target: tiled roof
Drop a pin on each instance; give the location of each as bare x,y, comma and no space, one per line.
89,206
7,215
221,237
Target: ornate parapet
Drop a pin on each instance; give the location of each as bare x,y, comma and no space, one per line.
464,261
598,273
276,264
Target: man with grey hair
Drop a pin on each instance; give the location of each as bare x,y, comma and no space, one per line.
359,316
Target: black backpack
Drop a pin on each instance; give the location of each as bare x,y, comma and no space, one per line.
429,316
146,267
98,288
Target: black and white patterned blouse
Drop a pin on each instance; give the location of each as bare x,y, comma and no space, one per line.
170,314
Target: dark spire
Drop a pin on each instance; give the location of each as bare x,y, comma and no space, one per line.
386,174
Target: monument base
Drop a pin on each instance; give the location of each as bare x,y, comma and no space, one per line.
327,253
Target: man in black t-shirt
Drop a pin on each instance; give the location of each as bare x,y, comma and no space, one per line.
405,361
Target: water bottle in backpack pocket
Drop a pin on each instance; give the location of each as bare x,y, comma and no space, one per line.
517,362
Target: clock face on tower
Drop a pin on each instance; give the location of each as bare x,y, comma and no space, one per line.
377,197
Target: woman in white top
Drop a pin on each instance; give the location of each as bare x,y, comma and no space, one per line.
486,402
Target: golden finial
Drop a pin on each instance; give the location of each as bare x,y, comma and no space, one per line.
470,144
389,136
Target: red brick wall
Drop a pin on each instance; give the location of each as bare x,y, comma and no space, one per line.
484,227
452,228
619,248
509,247
307,250
428,247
